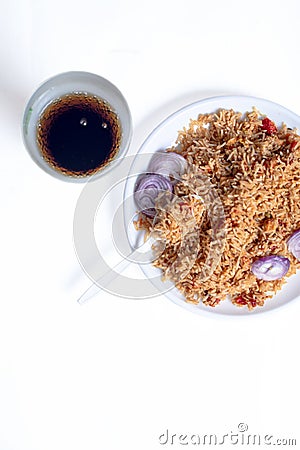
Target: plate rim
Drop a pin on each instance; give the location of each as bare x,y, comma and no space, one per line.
210,99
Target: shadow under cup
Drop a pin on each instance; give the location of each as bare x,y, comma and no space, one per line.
77,125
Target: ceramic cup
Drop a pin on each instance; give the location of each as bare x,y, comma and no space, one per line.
70,83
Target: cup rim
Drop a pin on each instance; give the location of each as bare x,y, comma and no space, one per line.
50,84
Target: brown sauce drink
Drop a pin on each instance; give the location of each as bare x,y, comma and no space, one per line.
78,134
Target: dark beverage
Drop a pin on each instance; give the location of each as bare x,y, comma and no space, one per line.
78,134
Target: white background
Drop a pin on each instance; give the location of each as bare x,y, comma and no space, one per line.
115,374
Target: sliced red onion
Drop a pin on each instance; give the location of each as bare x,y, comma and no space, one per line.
168,164
147,189
293,244
271,267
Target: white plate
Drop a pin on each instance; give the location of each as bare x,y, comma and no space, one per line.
162,137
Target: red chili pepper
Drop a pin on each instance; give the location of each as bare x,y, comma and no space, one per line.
269,126
293,145
240,300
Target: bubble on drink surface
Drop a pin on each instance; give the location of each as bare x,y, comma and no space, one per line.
83,122
104,125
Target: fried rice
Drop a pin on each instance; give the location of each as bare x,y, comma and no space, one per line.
255,174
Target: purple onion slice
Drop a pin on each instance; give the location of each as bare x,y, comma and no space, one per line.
168,163
271,267
293,244
147,189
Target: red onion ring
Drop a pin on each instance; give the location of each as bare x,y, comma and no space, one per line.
271,267
147,189
168,163
293,244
